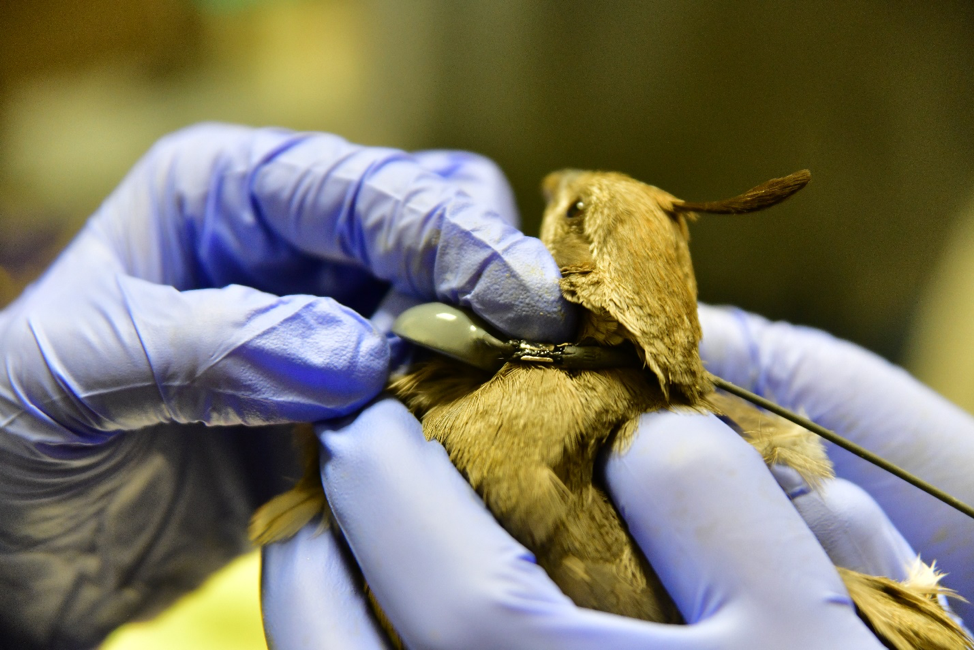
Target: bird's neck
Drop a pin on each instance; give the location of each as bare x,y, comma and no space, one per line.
601,329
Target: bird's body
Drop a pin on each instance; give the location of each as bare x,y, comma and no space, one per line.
533,460
528,437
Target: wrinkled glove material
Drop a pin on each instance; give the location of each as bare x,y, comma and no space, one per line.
226,283
875,404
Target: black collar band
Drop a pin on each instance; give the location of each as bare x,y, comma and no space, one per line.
570,356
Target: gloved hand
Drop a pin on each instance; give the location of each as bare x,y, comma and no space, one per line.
874,404
223,283
737,558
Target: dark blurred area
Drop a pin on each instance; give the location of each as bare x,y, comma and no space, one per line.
702,99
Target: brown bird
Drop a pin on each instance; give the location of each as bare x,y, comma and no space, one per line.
527,437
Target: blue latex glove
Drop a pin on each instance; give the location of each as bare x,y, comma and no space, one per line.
737,558
874,404
221,284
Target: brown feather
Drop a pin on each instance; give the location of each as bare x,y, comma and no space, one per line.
284,515
905,616
383,620
779,441
757,198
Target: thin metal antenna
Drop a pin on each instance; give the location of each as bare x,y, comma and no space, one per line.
831,436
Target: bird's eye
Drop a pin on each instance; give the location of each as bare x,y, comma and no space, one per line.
575,208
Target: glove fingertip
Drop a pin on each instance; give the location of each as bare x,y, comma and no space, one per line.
509,279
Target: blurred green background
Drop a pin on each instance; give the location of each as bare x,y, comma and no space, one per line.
703,99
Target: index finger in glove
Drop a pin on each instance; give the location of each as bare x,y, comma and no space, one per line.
736,557
281,211
849,524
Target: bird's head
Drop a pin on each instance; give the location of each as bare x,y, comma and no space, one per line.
623,249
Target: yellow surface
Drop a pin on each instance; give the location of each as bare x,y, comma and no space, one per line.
222,614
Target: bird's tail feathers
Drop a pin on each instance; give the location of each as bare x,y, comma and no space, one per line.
907,615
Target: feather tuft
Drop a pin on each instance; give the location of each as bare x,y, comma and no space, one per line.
904,616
